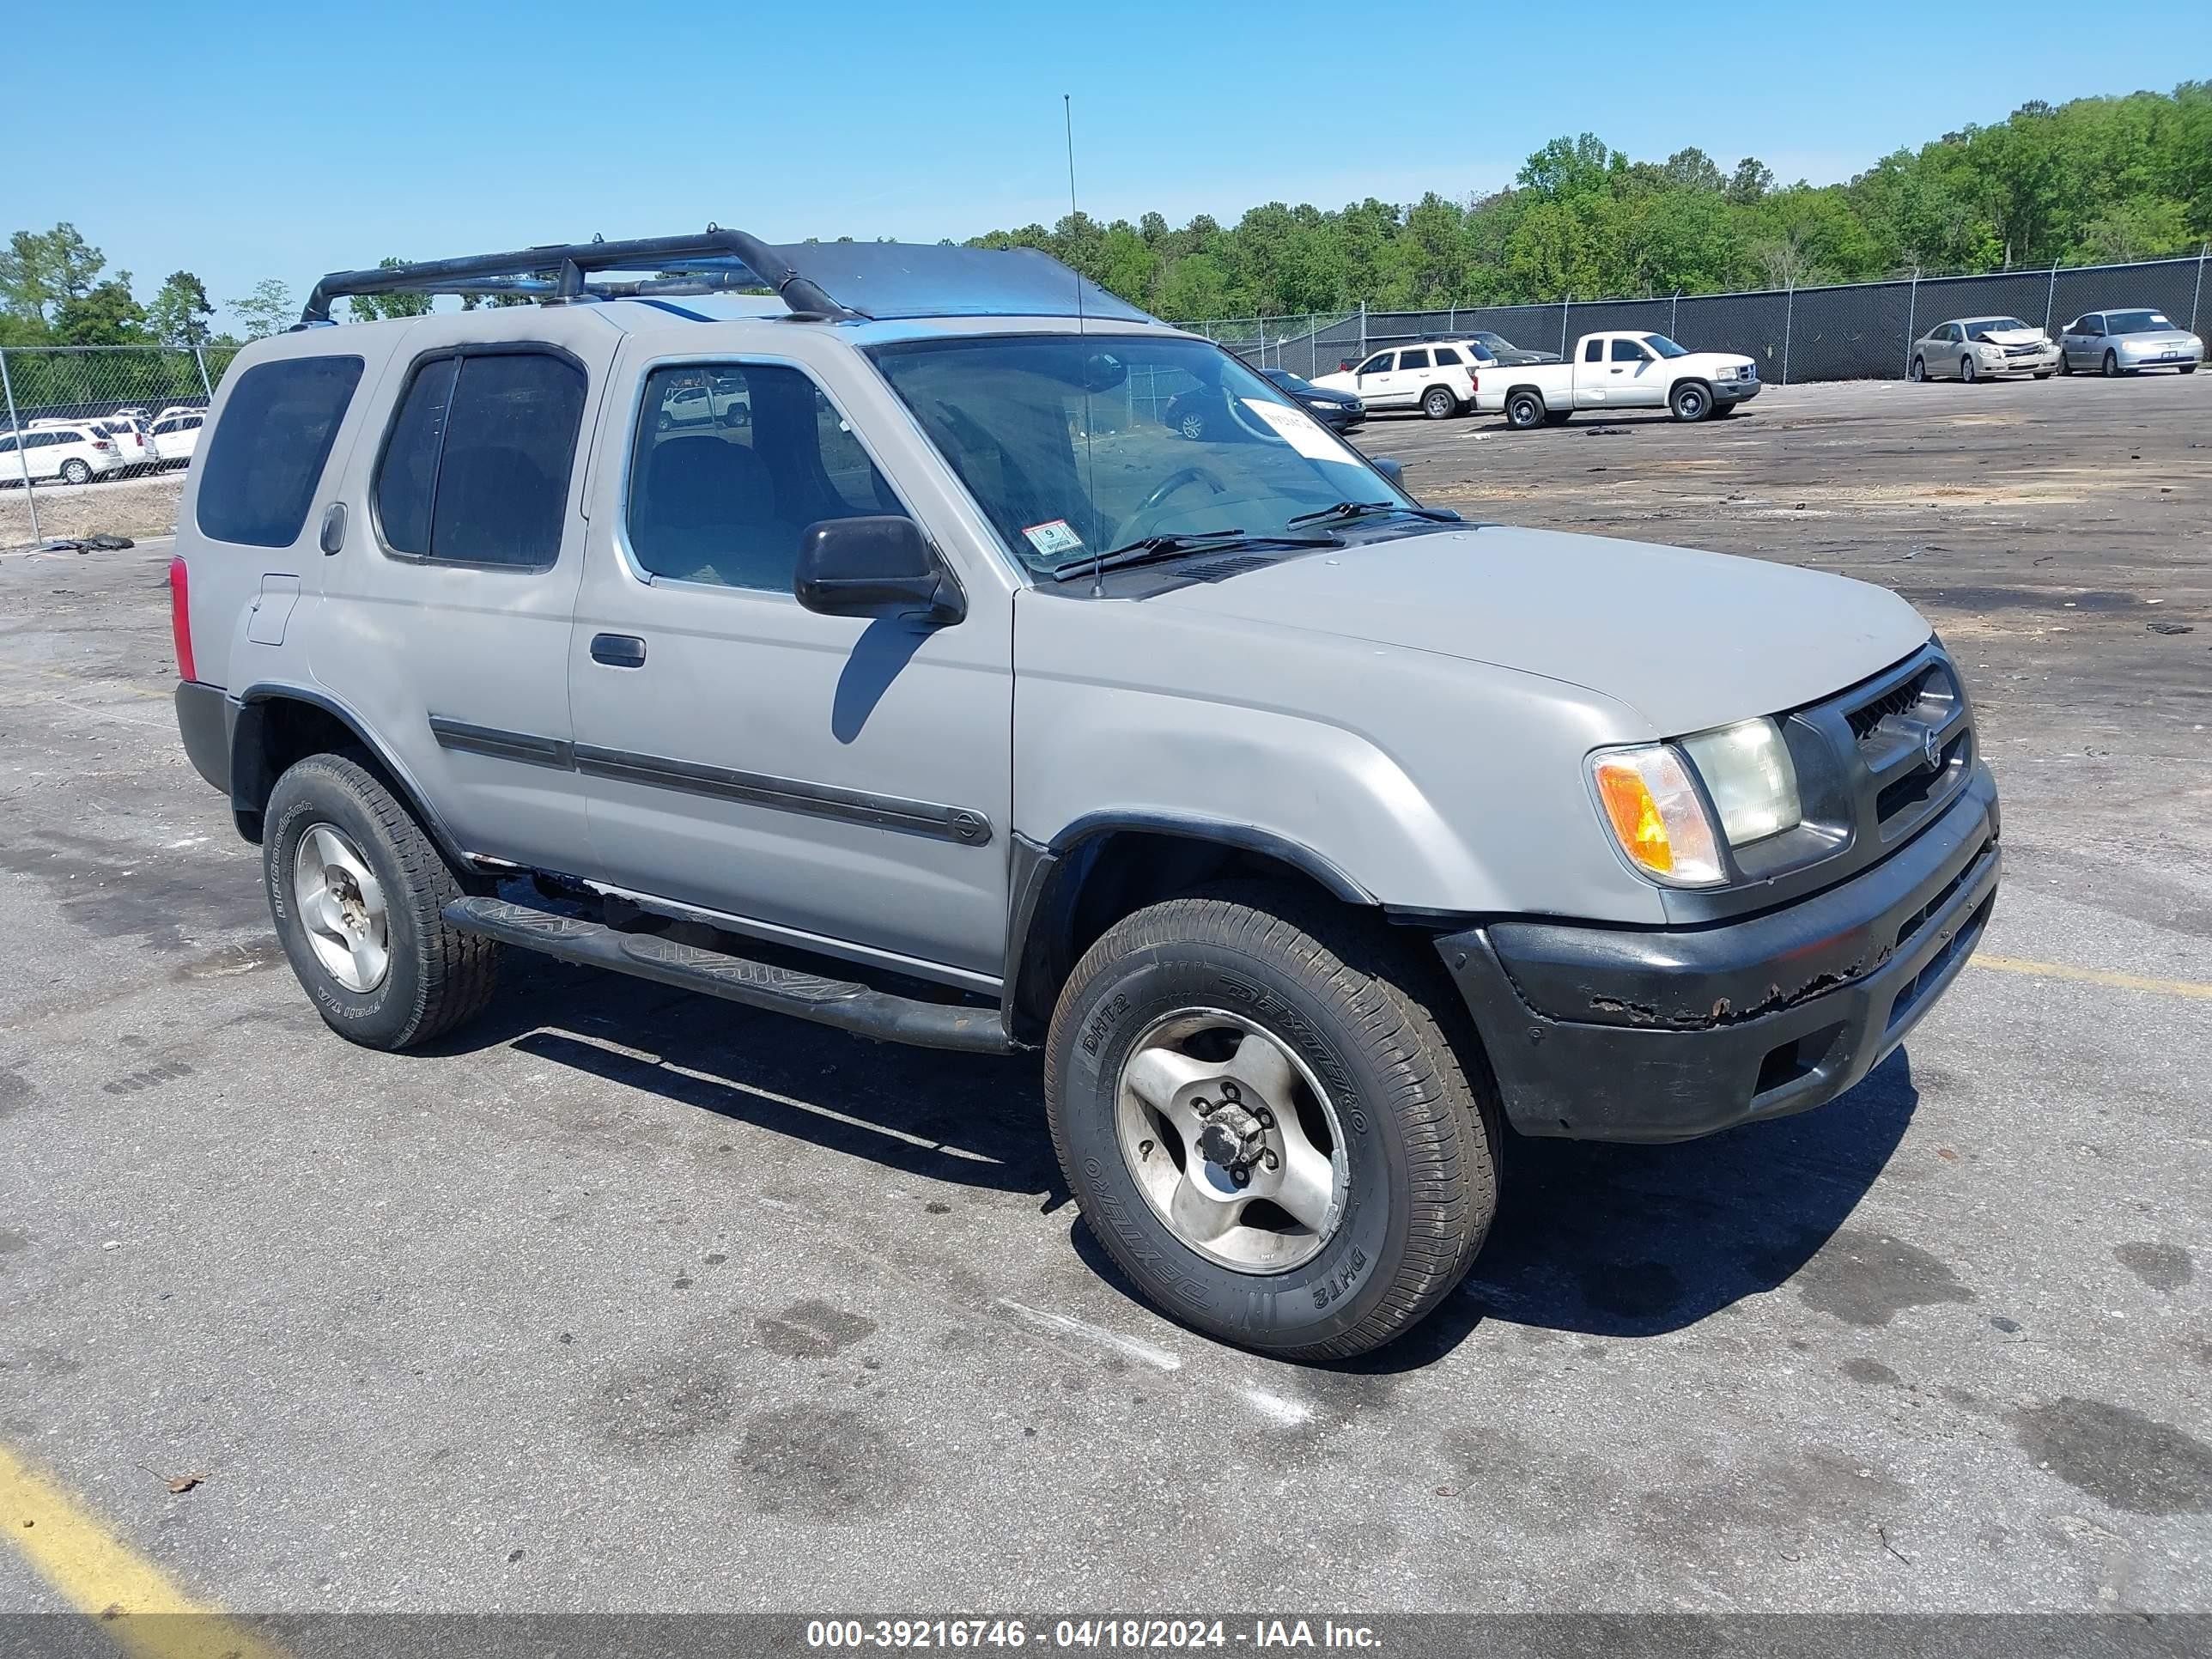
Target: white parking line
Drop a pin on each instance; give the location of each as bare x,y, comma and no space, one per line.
1060,1325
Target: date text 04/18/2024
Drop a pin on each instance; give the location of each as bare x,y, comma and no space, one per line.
1128,1634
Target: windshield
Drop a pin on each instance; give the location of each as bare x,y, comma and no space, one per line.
1665,347
2136,322
1993,325
1077,447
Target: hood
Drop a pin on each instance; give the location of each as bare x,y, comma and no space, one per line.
2011,337
1343,382
1690,639
1318,394
2160,337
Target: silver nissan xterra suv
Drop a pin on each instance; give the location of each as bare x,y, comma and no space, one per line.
954,698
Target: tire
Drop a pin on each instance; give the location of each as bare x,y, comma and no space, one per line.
1191,425
1691,400
75,472
2188,368
1343,1013
1966,371
2065,361
1438,404
434,976
1524,410
1918,371
662,421
2111,365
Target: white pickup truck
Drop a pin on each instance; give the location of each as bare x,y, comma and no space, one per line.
1621,369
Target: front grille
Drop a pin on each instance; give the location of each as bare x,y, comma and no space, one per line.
1899,701
1925,783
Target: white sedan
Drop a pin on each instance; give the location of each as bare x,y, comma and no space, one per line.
1979,348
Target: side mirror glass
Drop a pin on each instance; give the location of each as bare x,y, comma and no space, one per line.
1388,468
878,566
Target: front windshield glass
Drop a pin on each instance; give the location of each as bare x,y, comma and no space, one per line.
1665,347
1080,448
1993,325
1288,381
2136,322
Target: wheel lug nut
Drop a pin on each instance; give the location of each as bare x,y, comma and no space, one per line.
1269,1158
1241,1177
1266,1118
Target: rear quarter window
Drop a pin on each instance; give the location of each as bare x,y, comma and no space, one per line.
258,473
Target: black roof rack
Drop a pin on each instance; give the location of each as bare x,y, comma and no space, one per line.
874,279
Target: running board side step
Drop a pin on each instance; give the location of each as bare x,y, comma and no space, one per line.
848,1005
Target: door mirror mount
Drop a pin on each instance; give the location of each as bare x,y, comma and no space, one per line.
878,566
1388,467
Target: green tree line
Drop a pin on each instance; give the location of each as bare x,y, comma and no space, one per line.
2094,181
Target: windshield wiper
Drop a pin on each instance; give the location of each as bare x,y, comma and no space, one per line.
1150,547
1344,510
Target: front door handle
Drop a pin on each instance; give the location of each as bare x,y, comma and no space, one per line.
618,650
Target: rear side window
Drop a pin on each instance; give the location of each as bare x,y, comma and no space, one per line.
258,473
1447,358
1594,352
1413,359
476,468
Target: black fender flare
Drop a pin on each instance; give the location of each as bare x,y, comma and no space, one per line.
250,779
1045,877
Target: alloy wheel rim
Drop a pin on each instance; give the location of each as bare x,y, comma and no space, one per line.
1232,1141
341,907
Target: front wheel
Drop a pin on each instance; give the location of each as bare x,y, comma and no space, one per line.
1524,410
2065,362
1265,1125
1438,404
1192,426
2188,368
1918,371
1966,371
356,891
2111,366
1690,401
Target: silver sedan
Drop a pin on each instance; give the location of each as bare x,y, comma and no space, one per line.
2127,342
1981,348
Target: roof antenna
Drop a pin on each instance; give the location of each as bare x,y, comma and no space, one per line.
1089,467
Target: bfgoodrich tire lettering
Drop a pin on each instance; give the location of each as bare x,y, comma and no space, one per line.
436,976
1352,1003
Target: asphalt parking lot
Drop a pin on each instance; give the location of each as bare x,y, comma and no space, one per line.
627,1300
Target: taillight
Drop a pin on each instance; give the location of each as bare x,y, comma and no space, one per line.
101,443
180,620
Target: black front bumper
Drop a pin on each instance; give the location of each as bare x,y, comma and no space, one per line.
1663,1034
1736,392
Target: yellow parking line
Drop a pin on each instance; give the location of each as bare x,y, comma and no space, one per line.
146,1615
2171,988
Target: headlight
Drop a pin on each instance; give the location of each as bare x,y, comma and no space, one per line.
1748,772
1652,804
1655,814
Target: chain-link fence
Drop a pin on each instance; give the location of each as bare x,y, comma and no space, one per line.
79,419
1854,331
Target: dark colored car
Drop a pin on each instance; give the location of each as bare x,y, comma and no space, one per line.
1340,411
1202,413
1508,354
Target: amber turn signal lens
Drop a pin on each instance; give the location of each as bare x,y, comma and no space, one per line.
1655,814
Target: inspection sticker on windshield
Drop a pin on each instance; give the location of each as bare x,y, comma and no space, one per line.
1054,537
1297,428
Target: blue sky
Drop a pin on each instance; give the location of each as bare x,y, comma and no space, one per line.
243,141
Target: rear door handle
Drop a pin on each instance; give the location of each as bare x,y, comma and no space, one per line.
618,650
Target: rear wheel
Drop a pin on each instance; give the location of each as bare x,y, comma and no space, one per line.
75,472
1438,404
356,890
1264,1122
1524,410
1692,401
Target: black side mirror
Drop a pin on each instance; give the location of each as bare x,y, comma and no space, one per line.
1388,468
880,566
